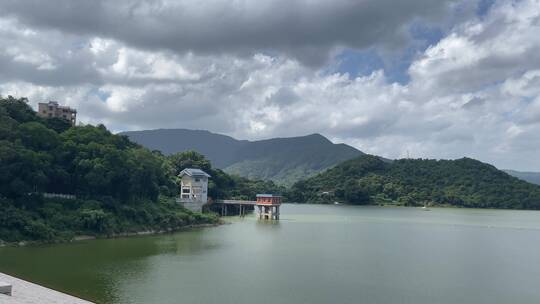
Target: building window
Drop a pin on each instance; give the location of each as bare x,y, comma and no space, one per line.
185,190
197,180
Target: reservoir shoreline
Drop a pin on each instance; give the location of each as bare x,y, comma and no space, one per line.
80,238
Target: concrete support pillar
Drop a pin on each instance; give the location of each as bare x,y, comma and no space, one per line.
267,212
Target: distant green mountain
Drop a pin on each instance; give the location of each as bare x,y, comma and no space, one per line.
464,182
531,177
283,160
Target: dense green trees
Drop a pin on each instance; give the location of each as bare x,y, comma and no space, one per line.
120,186
85,161
464,182
117,183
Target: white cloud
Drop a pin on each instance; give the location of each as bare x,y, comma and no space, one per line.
135,64
474,93
307,30
483,52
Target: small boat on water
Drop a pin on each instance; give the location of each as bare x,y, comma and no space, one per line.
425,208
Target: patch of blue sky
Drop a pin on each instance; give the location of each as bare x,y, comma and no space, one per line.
395,63
424,33
358,62
528,99
484,6
102,95
79,44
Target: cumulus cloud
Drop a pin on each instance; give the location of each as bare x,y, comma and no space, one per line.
141,64
480,53
307,30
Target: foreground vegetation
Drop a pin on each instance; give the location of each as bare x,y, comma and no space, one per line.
415,182
120,186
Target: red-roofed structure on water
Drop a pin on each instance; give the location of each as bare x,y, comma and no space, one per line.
268,206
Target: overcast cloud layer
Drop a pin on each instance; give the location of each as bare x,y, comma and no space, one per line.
254,70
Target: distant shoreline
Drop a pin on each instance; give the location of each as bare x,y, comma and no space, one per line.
418,206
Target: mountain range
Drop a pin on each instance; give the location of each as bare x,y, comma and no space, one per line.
282,160
531,177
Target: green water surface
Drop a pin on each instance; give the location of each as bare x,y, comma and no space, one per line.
314,254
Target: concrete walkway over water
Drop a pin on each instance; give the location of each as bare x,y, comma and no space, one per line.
24,292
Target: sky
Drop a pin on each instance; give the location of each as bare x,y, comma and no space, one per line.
424,78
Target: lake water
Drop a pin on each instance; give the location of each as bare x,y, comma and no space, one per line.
314,254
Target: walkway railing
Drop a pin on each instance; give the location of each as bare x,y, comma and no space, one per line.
59,195
235,202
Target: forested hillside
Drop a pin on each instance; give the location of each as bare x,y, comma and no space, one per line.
414,182
119,185
282,160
